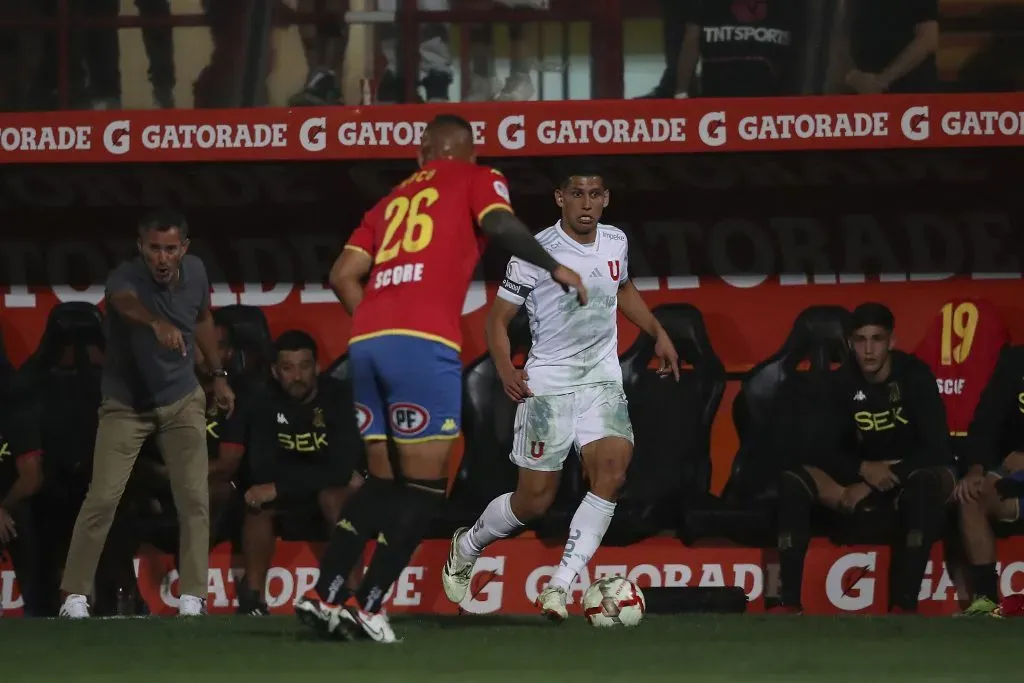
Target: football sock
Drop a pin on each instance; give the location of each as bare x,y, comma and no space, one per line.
794,511
362,517
984,581
921,504
497,521
413,509
586,531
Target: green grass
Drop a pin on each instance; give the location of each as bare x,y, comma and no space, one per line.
467,649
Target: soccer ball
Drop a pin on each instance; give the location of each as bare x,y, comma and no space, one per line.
614,601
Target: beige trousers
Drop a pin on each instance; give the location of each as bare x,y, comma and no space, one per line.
180,433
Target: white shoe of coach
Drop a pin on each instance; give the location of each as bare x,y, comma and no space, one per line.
191,606
74,607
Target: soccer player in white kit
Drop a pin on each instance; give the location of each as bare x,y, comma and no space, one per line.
570,392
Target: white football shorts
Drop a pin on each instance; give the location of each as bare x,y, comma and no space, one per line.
547,427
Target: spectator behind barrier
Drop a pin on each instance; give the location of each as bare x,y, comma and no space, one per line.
893,46
305,458
993,487
732,64
892,450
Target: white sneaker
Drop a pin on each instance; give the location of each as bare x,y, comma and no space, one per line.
375,626
75,607
457,573
552,601
518,88
191,606
481,89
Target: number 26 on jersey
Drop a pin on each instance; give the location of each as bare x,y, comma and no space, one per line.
410,228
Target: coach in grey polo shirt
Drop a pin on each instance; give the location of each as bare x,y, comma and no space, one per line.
158,311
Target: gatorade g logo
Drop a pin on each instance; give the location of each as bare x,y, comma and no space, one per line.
117,137
364,418
409,419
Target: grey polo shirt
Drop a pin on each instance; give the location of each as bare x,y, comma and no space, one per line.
138,370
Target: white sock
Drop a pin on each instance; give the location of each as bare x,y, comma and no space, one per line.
497,521
586,531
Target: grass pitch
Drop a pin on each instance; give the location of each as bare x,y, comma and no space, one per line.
473,649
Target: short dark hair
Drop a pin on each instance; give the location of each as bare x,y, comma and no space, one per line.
872,313
454,120
163,220
581,168
295,340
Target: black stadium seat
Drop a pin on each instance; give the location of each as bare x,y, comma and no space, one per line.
6,370
487,420
671,466
776,417
77,323
250,336
773,411
338,369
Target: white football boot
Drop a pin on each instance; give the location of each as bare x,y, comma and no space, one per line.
319,616
552,601
457,573
375,626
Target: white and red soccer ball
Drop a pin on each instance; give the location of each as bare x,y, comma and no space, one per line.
614,601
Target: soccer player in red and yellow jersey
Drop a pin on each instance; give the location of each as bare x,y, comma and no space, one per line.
416,251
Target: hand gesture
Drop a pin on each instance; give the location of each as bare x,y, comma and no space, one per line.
224,396
259,495
170,336
570,279
865,83
515,386
969,488
7,531
878,475
666,351
852,496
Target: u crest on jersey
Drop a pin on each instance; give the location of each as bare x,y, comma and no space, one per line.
614,270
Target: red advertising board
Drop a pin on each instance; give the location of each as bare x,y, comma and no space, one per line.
520,129
837,580
751,210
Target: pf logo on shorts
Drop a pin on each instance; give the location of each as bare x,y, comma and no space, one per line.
409,419
364,418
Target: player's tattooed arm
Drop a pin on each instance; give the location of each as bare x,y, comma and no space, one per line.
347,276
511,233
508,232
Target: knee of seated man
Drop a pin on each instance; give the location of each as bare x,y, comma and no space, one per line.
797,484
331,500
934,482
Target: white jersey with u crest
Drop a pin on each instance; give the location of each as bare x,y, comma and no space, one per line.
573,345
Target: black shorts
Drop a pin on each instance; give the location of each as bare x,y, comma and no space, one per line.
846,476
